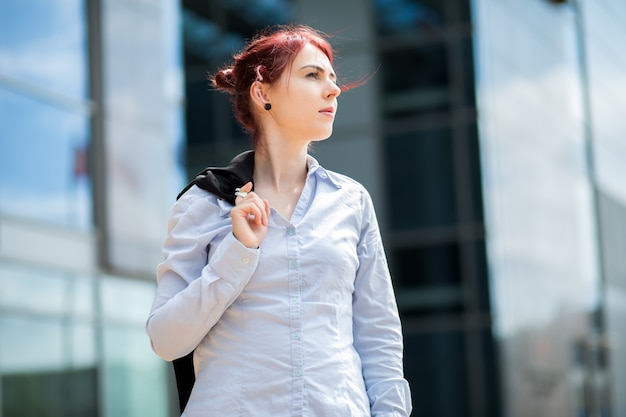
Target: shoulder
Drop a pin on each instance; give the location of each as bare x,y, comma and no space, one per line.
344,182
196,202
351,192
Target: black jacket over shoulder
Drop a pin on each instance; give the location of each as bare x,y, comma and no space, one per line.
222,182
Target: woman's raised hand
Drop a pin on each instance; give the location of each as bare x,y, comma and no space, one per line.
250,217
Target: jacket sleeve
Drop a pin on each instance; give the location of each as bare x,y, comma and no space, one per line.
377,328
205,269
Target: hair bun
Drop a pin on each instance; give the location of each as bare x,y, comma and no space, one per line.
225,80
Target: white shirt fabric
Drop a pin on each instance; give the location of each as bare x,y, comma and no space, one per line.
306,325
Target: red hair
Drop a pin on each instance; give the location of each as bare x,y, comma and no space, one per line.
264,59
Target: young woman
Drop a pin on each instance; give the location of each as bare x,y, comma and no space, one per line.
274,273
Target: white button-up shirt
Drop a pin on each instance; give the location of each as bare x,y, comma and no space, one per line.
306,325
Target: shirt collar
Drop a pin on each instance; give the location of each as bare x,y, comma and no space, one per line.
314,168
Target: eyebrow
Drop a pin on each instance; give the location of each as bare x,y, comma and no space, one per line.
320,69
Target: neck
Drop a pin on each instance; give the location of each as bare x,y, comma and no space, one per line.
280,168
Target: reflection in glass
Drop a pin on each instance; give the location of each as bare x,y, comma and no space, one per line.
430,266
436,371
415,81
408,16
428,279
212,32
44,43
44,371
133,373
423,160
126,301
135,378
43,162
32,289
45,291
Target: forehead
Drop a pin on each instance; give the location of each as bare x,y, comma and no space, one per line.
311,55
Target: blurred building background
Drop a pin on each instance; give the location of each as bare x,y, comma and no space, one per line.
492,138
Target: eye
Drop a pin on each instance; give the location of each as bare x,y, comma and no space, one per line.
315,75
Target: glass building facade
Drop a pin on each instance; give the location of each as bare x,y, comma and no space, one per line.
497,123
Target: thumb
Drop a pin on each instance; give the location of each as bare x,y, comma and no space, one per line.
247,187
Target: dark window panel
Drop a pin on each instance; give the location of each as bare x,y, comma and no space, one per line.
482,278
401,17
429,266
69,393
468,73
420,180
415,81
212,32
492,382
436,370
475,174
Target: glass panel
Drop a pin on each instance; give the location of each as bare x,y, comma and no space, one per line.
464,10
43,42
212,32
47,368
492,385
613,232
126,301
32,290
429,266
43,162
134,375
408,16
475,174
469,83
415,81
30,345
420,177
205,103
539,207
82,296
428,279
45,291
136,379
482,276
436,370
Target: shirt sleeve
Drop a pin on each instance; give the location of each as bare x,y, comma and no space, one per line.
377,328
198,278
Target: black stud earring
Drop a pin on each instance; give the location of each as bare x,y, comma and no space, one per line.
268,106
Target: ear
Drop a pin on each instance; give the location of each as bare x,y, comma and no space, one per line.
258,94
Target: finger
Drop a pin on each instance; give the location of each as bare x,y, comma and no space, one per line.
266,217
247,187
261,216
242,192
262,212
253,210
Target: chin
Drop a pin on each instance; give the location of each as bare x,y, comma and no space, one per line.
322,135
320,139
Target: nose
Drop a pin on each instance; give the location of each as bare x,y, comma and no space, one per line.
333,89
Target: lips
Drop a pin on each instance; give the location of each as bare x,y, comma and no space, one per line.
330,111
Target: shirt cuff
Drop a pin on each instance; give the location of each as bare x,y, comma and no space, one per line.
232,260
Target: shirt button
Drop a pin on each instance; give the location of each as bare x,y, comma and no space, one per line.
245,261
297,372
291,231
293,265
295,300
296,335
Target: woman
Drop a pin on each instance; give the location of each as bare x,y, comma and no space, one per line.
282,291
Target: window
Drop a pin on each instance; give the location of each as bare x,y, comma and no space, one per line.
47,343
212,33
44,112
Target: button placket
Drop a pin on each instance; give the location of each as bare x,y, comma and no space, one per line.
295,319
